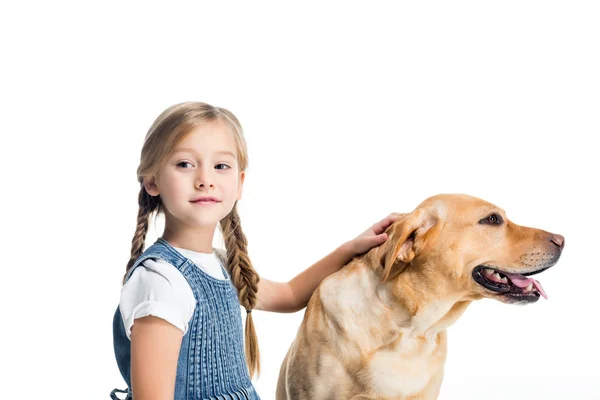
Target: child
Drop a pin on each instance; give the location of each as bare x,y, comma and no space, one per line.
178,329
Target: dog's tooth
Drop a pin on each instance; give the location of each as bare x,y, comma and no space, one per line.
504,280
497,275
529,287
488,271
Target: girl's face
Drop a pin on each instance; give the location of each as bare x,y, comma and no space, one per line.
203,165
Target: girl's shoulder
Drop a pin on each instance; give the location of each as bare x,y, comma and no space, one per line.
157,288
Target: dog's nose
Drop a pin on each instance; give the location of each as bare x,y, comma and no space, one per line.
558,240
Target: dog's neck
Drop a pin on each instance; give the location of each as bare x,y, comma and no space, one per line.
431,306
424,301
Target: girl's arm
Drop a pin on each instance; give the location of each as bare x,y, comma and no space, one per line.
293,296
155,345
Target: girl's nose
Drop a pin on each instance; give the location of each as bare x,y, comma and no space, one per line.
203,177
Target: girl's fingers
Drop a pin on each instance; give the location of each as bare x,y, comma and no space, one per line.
382,225
371,241
382,238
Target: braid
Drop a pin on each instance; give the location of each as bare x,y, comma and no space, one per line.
245,279
147,204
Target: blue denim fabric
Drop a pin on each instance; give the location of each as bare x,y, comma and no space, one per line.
211,362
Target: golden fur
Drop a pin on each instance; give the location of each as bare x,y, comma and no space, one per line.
376,329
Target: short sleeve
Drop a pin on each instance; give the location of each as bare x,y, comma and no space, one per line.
157,288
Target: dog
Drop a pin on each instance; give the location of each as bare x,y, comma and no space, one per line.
376,329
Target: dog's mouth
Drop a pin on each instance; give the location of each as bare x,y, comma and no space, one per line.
516,287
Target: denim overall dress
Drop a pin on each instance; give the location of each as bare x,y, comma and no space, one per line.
211,364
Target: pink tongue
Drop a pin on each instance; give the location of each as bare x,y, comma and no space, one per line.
521,281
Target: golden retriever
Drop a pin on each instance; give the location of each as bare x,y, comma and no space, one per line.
376,329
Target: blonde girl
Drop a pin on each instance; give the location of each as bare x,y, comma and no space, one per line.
178,328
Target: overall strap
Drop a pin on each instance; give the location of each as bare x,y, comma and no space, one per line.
160,249
113,394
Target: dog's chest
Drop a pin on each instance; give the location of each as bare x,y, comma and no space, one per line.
365,321
406,369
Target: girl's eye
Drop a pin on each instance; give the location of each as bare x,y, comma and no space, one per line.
183,162
222,166
492,219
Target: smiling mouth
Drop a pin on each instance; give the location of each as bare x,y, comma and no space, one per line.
205,201
516,287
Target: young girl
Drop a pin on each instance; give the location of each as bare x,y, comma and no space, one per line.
178,330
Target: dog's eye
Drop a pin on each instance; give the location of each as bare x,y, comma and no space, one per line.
492,219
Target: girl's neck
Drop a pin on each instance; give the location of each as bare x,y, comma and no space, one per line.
198,239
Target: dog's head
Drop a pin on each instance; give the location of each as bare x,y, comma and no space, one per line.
464,245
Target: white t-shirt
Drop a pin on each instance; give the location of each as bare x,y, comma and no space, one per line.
158,288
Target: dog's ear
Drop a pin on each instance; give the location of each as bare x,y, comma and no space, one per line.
407,238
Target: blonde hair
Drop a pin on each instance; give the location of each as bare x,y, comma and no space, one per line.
168,129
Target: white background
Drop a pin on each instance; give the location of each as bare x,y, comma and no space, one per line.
351,111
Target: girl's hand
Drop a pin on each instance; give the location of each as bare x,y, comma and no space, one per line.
374,236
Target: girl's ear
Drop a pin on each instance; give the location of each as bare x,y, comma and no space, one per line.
150,186
240,186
